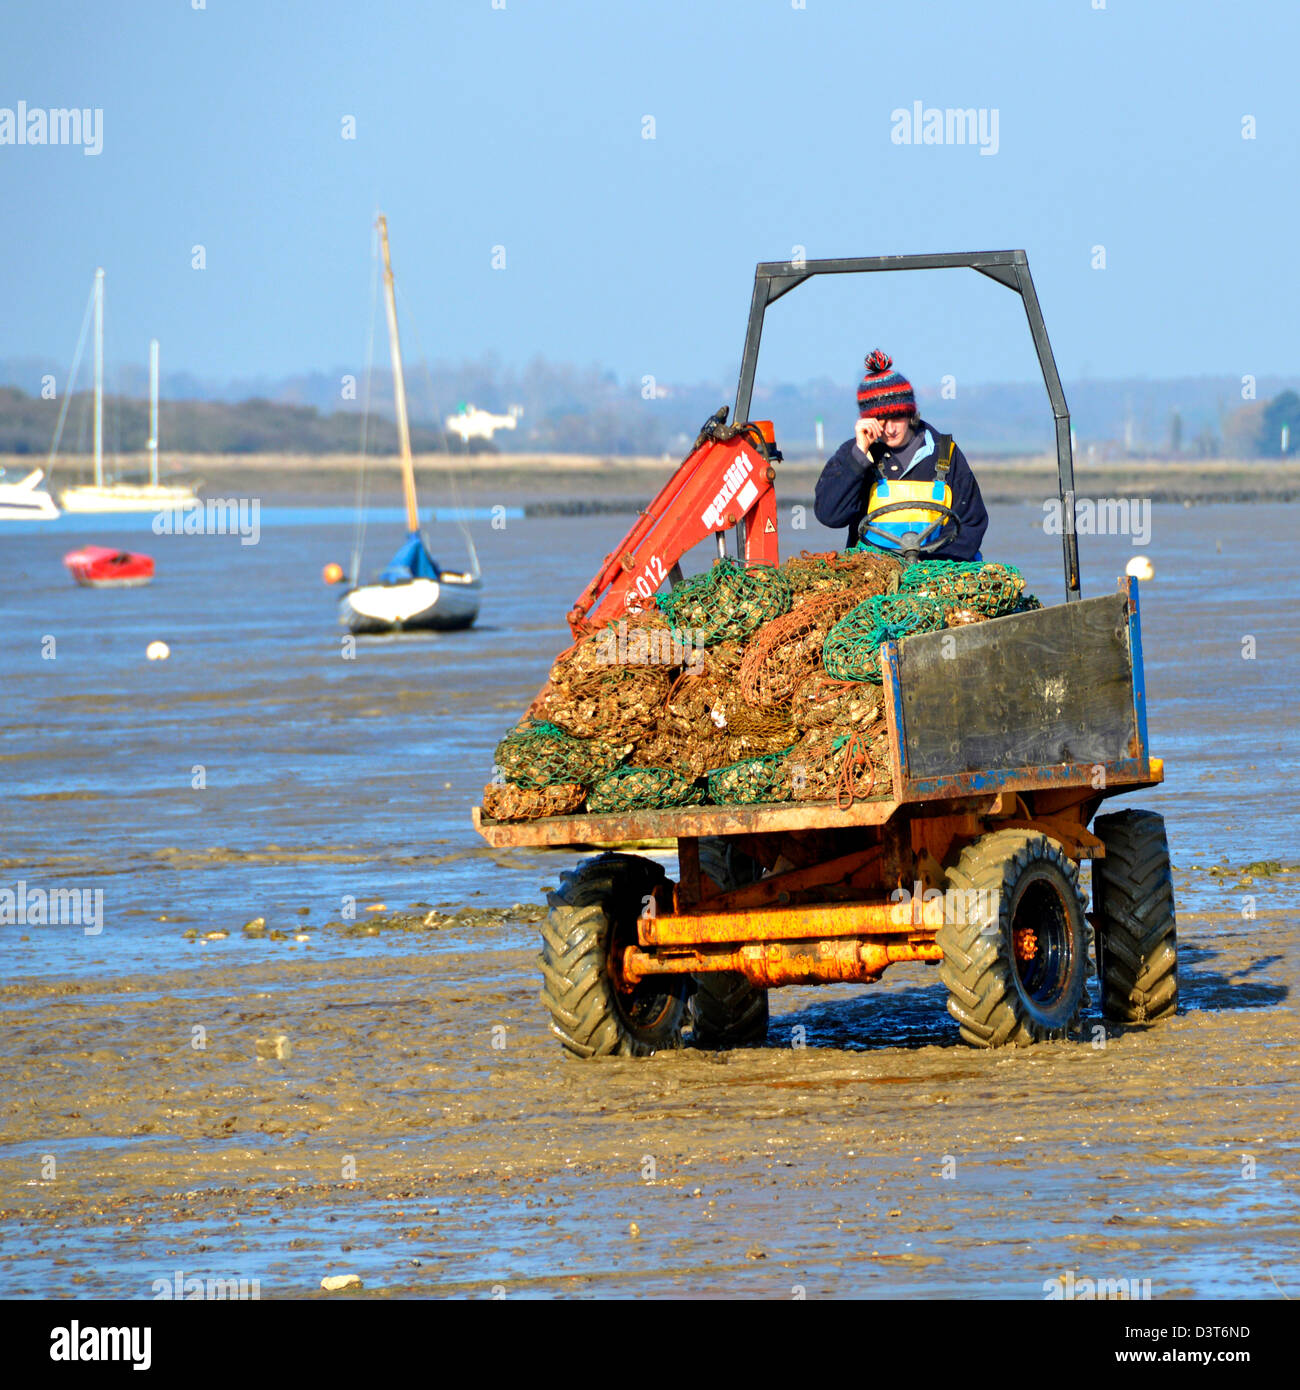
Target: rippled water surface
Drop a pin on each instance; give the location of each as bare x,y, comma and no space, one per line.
259,771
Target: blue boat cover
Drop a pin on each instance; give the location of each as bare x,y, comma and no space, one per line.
412,561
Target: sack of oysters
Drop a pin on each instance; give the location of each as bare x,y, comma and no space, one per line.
742,685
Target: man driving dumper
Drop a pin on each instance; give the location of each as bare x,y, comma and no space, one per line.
898,484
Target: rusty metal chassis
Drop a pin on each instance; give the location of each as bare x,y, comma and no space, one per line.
823,913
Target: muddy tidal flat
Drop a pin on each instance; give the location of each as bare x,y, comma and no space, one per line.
306,1041
425,1133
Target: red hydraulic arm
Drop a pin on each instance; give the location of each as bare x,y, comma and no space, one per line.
726,479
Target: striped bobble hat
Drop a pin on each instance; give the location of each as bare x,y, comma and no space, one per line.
884,392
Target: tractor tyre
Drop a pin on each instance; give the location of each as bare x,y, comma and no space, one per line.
1133,898
592,919
726,1010
1014,940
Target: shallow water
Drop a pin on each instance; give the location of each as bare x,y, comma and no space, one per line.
324,778
327,779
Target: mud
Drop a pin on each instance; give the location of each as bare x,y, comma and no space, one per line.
394,1141
428,1134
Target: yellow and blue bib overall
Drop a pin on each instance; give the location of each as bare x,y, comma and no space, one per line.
895,525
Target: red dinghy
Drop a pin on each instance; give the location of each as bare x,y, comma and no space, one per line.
98,567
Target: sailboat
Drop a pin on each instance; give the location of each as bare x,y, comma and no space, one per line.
413,592
26,499
123,497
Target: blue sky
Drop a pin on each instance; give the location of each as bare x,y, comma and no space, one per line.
523,127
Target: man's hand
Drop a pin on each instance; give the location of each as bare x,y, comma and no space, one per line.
868,430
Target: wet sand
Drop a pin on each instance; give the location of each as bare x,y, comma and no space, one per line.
427,1134
329,779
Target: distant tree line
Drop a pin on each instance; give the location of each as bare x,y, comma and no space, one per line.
585,410
1264,429
27,426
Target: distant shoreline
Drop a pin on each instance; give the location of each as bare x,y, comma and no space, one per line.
582,482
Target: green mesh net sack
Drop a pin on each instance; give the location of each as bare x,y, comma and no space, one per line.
539,754
979,588
643,788
811,572
753,780
852,650
727,602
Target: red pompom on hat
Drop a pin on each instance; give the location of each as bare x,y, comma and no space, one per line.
884,392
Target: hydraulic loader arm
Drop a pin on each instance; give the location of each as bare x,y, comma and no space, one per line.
726,480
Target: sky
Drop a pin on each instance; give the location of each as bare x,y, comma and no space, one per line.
1160,240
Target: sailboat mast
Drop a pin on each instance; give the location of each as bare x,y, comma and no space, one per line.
399,386
153,411
99,378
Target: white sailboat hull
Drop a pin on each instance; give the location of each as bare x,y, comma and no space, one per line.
447,603
126,497
26,500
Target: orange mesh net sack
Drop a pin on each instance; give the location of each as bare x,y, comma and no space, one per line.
692,732
702,687
692,755
825,572
626,702
505,801
634,642
840,706
843,768
789,649
753,730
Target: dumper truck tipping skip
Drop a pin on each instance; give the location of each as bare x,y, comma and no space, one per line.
990,813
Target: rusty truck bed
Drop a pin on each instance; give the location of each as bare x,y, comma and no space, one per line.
1049,699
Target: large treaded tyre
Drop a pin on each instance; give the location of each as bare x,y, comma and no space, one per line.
593,917
1133,893
726,1010
1015,887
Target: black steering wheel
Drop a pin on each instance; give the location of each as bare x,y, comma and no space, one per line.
912,544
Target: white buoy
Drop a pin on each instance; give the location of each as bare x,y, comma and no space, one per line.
157,651
1139,567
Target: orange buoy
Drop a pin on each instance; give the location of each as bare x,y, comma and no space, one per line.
332,573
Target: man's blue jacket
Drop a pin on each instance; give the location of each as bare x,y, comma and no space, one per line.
845,485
